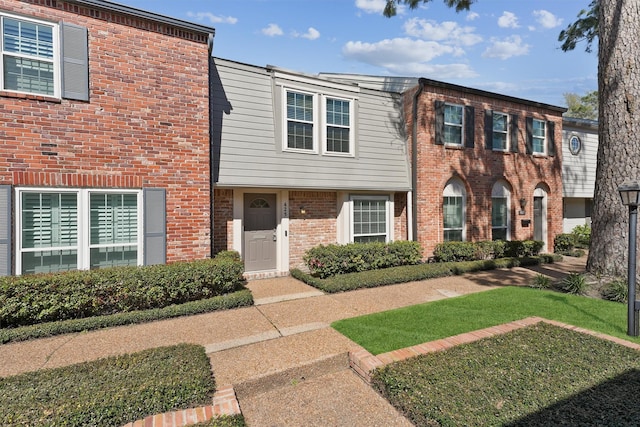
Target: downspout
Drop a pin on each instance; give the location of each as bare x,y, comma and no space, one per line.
210,65
414,161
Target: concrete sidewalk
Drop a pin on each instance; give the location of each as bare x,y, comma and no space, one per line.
285,365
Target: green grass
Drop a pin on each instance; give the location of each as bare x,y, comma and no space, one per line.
391,330
110,391
537,376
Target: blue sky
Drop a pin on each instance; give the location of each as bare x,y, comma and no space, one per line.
505,46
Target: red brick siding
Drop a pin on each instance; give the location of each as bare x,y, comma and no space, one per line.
317,226
146,123
222,220
400,216
480,168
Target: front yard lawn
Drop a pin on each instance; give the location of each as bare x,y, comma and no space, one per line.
405,327
541,375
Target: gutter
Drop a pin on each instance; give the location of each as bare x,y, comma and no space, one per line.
414,161
211,65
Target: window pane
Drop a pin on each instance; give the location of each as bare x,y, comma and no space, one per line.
498,212
453,235
114,218
114,256
338,139
49,261
499,234
28,75
452,134
300,135
299,106
337,112
49,220
369,220
499,122
27,38
452,212
453,114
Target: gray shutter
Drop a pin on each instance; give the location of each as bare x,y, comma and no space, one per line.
5,230
551,138
439,130
75,62
488,129
155,226
469,127
514,131
529,135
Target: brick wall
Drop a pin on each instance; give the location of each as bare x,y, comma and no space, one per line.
479,168
400,216
146,123
222,220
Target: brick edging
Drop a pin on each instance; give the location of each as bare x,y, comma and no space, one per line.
363,362
224,403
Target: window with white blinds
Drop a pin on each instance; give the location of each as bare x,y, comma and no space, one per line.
78,229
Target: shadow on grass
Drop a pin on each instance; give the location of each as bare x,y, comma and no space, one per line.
562,300
613,403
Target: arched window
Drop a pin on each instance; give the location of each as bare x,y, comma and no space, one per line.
500,208
453,209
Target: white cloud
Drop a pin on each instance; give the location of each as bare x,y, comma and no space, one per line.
448,32
547,19
407,56
311,34
472,16
508,20
214,19
272,30
506,48
371,6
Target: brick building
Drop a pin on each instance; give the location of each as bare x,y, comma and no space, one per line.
105,137
487,166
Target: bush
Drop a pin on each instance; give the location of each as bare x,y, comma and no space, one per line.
455,251
616,290
483,250
541,282
326,261
32,299
574,283
564,243
523,248
582,236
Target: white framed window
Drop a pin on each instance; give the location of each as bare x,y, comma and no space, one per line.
312,117
453,210
500,208
30,52
453,124
370,218
68,229
500,131
539,136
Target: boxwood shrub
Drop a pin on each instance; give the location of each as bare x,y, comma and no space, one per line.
330,260
33,299
485,250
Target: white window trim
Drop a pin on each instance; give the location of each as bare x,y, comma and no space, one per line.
450,190
506,132
389,207
57,77
83,200
461,125
534,138
319,122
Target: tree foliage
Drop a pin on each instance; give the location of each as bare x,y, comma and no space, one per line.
582,107
391,7
585,28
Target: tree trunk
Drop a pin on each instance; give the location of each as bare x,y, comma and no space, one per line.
619,133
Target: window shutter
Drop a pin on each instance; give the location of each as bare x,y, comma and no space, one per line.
5,230
155,226
469,127
529,135
488,129
551,138
514,133
439,131
75,62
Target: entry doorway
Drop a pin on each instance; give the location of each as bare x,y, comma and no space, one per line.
260,237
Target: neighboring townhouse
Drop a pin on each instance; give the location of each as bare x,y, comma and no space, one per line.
301,161
579,155
486,166
105,155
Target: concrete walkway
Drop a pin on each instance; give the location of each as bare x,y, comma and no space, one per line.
279,361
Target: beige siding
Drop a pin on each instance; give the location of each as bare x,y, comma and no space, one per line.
579,171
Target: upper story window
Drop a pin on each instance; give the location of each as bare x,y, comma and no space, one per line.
499,133
29,56
317,117
453,124
539,136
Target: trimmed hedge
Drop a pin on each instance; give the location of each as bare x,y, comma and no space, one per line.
326,261
33,299
241,298
410,273
486,250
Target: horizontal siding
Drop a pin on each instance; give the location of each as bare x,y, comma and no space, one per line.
251,152
579,171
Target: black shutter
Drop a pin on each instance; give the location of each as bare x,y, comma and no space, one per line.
488,129
5,230
439,122
155,226
513,147
529,135
551,138
75,62
469,126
